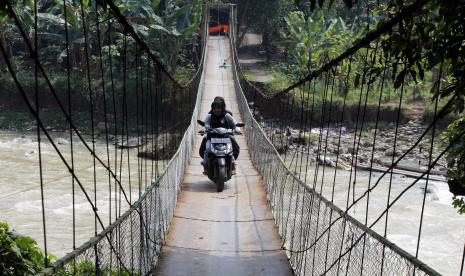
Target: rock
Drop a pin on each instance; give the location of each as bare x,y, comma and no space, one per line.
30,153
161,147
388,140
131,143
366,143
390,152
362,158
61,141
403,149
432,191
343,165
326,161
377,159
382,147
333,150
296,139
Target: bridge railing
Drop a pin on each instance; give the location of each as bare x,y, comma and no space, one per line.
129,119
132,244
318,237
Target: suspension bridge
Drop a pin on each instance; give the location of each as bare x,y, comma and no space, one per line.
290,209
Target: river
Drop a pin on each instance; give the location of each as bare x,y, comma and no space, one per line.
20,196
442,239
443,232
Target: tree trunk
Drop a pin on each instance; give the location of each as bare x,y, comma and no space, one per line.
416,93
266,44
435,75
243,22
241,37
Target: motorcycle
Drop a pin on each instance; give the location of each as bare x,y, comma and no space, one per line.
220,153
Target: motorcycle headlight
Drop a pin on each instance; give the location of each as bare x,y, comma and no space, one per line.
220,147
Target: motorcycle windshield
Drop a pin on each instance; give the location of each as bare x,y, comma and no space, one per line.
220,131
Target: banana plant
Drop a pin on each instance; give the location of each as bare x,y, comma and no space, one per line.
316,39
164,30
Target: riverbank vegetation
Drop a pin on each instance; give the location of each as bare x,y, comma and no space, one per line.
20,255
171,29
419,63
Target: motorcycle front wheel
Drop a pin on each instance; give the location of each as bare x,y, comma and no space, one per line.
221,179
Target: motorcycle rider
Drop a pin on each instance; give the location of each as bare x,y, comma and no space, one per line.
218,98
219,117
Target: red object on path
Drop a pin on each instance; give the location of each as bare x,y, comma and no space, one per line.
218,29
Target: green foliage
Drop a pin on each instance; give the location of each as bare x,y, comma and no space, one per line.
459,203
456,160
265,16
167,30
433,40
19,255
164,30
316,39
184,73
88,268
436,36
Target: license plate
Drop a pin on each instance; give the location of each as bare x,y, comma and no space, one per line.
220,140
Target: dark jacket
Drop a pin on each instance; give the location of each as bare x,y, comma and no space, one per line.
224,120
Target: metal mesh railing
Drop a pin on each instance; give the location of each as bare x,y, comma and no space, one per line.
119,90
319,237
132,244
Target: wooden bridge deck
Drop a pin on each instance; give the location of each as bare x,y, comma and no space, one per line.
228,233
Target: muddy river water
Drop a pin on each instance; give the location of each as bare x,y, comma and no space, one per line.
442,240
20,194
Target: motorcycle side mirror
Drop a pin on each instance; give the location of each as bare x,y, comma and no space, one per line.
240,124
200,122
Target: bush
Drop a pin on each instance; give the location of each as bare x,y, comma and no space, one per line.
88,268
456,162
444,121
19,255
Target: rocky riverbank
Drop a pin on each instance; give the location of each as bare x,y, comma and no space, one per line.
370,147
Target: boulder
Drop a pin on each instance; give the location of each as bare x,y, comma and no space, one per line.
61,141
390,152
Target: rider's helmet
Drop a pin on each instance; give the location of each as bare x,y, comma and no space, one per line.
219,102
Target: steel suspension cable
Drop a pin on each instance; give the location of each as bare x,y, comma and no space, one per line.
382,29
39,141
35,114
